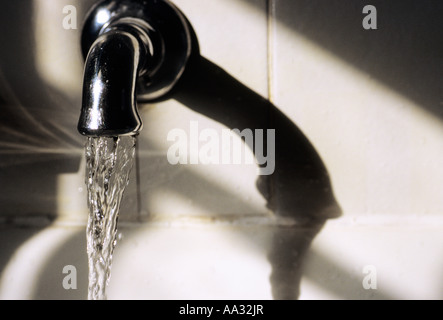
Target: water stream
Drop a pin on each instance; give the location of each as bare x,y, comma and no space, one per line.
108,163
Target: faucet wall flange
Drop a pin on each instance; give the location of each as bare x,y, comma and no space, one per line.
135,50
168,40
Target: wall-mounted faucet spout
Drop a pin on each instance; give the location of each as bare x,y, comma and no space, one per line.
134,50
111,70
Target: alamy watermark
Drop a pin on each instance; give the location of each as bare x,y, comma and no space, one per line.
70,18
70,280
208,146
370,20
370,279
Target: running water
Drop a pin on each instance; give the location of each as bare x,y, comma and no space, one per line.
108,163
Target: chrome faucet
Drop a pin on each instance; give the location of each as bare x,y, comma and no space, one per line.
135,50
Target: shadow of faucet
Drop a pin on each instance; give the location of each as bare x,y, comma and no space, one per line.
298,191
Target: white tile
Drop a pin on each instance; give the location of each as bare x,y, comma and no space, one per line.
190,262
406,260
380,148
195,260
151,261
33,259
232,35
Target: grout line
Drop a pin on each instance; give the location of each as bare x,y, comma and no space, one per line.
387,221
270,13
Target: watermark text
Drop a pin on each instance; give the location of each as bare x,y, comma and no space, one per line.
209,146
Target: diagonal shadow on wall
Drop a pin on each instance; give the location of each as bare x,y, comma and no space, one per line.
405,52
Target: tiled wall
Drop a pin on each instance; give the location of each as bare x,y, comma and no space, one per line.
368,109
